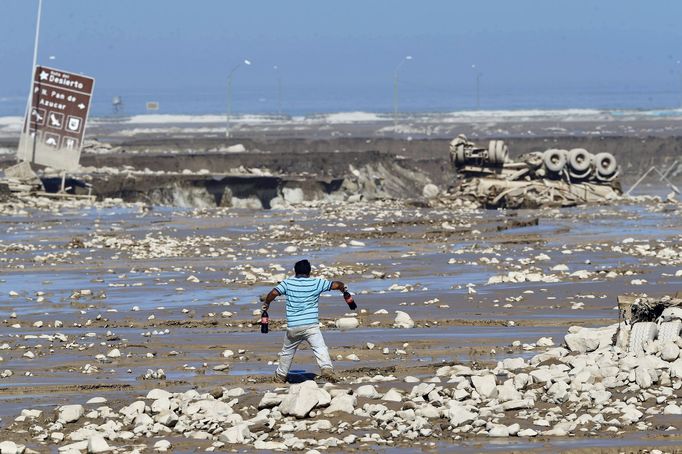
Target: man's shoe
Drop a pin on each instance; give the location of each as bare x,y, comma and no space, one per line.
329,375
280,378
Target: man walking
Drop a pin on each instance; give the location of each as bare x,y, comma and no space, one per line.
303,295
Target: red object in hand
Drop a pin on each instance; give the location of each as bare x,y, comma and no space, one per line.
264,320
350,301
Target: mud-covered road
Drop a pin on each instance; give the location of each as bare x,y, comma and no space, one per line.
94,298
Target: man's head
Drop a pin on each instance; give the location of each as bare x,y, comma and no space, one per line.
302,268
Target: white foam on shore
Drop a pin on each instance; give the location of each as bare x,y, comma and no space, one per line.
11,125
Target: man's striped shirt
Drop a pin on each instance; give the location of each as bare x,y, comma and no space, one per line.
303,296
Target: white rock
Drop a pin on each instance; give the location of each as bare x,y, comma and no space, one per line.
393,395
162,445
368,391
672,409
97,444
460,415
485,385
302,398
236,434
156,394
115,353
545,342
403,320
347,323
10,447
513,364
70,413
670,351
430,191
343,402
498,430
527,433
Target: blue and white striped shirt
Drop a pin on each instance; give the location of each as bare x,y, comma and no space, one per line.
303,296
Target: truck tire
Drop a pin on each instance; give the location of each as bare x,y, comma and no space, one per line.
606,164
579,160
492,152
669,331
555,160
640,334
501,153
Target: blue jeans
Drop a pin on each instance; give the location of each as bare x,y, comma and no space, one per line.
293,338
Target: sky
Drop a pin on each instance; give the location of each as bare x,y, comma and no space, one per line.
342,55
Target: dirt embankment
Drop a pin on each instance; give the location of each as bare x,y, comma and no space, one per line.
331,157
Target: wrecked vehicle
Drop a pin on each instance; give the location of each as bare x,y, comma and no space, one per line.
551,178
650,319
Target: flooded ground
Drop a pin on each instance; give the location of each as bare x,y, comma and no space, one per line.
173,289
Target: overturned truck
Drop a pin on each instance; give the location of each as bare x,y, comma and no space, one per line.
551,178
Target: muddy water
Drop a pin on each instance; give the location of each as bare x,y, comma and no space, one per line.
182,269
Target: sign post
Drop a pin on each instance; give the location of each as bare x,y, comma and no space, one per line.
55,121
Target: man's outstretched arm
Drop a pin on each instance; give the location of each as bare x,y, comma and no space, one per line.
274,293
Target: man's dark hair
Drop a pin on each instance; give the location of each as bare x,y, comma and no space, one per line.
302,267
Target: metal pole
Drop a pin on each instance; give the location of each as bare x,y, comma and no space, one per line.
229,105
395,90
395,99
279,94
63,182
27,125
639,181
672,166
663,177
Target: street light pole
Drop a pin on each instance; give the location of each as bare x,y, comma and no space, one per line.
478,88
279,90
33,68
395,90
229,96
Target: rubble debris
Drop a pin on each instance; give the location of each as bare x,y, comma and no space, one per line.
553,178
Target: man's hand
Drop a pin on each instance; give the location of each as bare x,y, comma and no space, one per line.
338,285
274,293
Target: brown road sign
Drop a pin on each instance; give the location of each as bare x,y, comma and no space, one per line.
55,123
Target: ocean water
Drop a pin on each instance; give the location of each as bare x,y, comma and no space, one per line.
304,101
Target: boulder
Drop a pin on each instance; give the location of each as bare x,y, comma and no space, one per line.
403,320
347,323
368,391
485,385
460,415
670,351
97,444
10,447
342,402
584,340
302,398
70,413
236,434
430,191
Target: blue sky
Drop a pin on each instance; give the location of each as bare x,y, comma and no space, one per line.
342,54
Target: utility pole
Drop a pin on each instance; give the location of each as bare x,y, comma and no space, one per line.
228,118
395,90
33,69
279,90
478,87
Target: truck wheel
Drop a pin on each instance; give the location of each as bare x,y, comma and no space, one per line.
579,160
605,163
669,331
501,152
555,160
641,333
